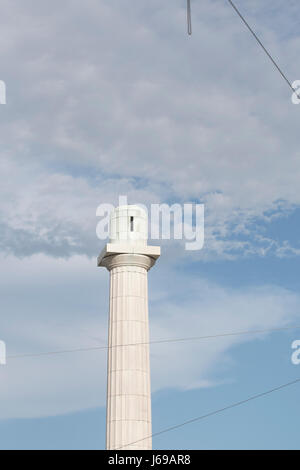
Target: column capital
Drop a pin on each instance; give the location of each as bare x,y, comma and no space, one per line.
127,259
115,254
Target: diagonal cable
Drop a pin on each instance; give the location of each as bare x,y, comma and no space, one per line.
215,412
263,47
161,341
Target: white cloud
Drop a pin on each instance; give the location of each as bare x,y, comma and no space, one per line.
59,305
115,91
111,98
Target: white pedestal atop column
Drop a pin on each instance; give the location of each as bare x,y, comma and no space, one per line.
128,258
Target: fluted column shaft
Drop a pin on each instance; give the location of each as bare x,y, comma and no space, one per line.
128,420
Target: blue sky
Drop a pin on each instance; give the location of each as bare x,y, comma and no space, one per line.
113,98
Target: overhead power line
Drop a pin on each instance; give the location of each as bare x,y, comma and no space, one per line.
161,341
263,47
215,412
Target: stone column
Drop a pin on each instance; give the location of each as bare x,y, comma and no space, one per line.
128,418
128,258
